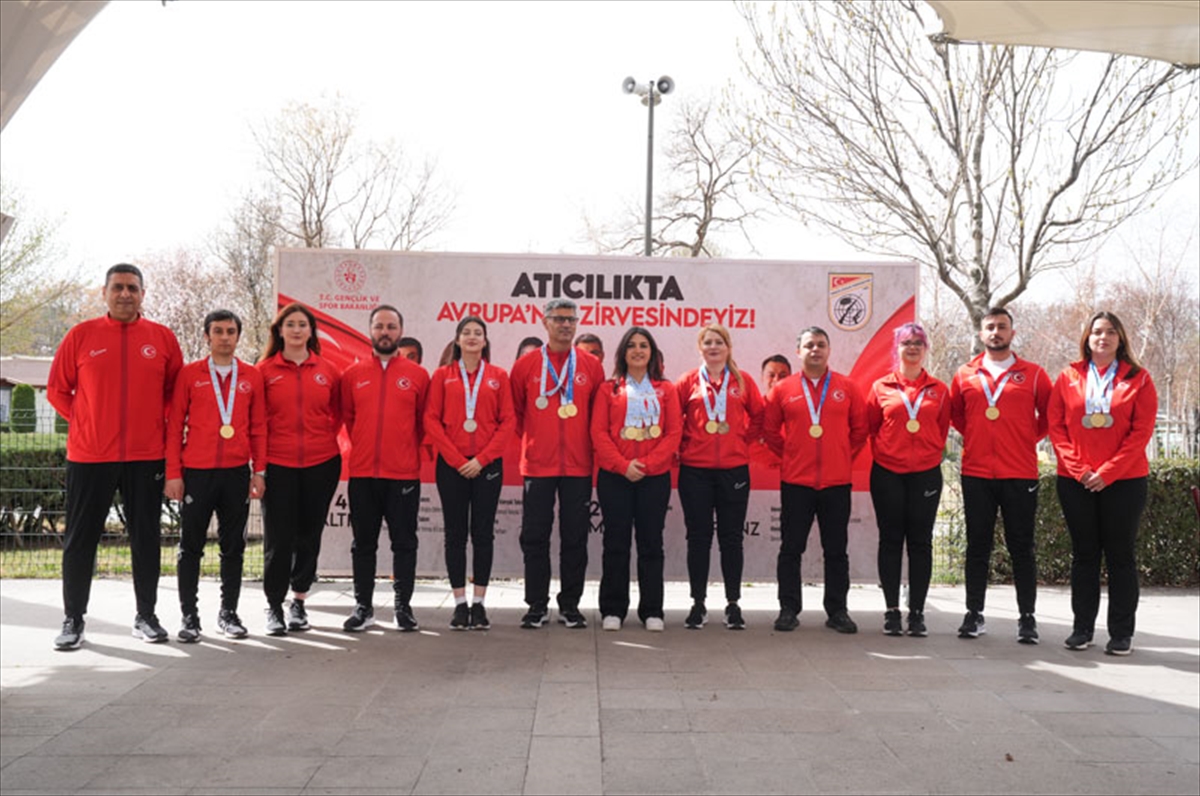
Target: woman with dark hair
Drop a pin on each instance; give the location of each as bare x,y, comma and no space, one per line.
527,345
469,418
303,462
722,414
908,418
1102,413
636,431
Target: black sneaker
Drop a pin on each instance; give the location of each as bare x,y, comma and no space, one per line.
231,625
916,624
972,625
462,617
1027,629
404,619
297,618
571,618
479,617
362,618
1119,646
733,617
787,621
535,617
892,625
71,636
148,629
189,633
1079,640
696,617
842,623
275,624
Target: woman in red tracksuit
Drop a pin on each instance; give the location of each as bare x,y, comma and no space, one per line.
469,419
908,418
635,431
1102,413
303,462
722,415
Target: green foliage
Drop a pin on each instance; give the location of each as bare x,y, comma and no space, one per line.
32,477
1168,543
60,424
24,409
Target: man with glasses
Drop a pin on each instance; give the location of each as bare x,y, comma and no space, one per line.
112,379
552,396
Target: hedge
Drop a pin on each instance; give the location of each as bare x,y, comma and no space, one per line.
1168,543
24,409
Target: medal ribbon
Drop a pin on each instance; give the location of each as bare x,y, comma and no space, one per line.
717,409
992,398
1099,397
814,413
224,409
566,376
641,403
914,406
472,394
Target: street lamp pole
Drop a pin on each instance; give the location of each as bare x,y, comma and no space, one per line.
651,94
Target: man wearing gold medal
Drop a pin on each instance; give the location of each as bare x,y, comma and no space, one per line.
998,403
216,429
552,396
816,421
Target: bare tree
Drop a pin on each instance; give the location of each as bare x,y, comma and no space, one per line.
708,174
330,187
984,163
245,246
28,287
181,288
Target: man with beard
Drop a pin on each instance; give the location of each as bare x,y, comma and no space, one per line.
998,403
383,404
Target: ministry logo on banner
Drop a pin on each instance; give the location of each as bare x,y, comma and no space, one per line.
850,300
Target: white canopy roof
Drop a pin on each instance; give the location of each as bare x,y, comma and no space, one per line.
1166,30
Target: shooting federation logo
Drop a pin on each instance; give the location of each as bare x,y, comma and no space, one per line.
850,300
350,276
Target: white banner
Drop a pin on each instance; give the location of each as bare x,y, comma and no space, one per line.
763,304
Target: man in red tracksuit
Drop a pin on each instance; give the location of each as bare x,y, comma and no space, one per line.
111,380
552,398
383,405
998,402
816,420
217,426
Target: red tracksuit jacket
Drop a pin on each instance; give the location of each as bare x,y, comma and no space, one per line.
892,445
1007,446
446,411
825,461
193,427
1116,452
744,413
384,412
112,382
303,404
550,445
614,452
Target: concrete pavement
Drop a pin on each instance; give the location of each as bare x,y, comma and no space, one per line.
584,711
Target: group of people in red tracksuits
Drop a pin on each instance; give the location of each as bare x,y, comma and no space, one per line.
217,433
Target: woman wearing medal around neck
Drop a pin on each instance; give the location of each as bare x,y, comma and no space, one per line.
908,418
636,432
722,415
469,419
304,413
1102,413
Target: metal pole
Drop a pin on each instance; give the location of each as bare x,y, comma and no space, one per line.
649,164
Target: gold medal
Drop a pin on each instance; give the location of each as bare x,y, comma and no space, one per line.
629,432
711,427
815,431
1098,419
722,428
572,410
655,432
992,412
913,426
227,431
542,402
469,425
563,413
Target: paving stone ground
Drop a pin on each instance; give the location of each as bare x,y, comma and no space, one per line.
585,711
